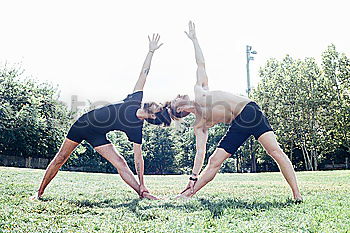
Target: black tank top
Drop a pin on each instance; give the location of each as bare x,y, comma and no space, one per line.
120,116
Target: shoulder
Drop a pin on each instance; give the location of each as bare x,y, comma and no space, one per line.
200,88
199,91
135,96
199,124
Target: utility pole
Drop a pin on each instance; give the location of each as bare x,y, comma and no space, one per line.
249,53
249,58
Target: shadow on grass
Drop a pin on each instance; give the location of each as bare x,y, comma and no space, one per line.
216,207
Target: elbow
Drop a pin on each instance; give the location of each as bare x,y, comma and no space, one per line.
201,64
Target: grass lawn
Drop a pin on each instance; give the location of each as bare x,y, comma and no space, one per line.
92,202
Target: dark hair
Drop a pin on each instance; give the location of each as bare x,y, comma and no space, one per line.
178,114
173,111
147,106
162,117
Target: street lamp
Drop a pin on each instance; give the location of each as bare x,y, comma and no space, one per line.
249,58
250,52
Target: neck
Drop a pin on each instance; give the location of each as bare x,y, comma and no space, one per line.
192,107
140,114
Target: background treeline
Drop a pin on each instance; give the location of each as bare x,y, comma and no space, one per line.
306,103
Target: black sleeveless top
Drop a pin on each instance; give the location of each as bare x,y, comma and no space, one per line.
120,116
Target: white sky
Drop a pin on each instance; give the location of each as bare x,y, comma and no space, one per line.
95,49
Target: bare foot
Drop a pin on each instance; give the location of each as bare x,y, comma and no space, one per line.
147,195
186,194
298,198
35,197
181,196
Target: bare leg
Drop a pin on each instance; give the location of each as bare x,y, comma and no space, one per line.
61,157
111,154
210,171
269,142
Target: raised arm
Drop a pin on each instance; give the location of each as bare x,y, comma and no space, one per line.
153,46
202,79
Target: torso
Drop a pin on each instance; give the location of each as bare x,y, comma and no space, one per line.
214,107
120,116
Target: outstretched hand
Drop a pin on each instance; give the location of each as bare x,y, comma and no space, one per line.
153,43
190,187
185,194
144,193
191,31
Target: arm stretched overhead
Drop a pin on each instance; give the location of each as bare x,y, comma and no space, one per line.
202,79
153,45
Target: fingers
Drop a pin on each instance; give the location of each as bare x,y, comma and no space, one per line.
185,190
155,37
192,186
155,40
191,25
159,45
191,30
142,193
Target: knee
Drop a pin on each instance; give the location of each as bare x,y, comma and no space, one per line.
276,153
121,162
61,158
214,162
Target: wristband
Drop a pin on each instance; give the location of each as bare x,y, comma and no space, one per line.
151,51
194,179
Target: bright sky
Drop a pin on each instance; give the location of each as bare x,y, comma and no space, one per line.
95,49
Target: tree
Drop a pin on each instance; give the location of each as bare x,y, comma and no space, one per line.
307,105
336,68
159,150
33,122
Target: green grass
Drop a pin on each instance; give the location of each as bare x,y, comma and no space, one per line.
91,202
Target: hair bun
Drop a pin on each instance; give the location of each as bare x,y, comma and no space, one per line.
178,114
162,117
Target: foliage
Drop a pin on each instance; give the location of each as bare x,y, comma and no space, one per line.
307,106
32,120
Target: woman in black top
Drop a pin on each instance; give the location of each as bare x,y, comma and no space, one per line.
126,116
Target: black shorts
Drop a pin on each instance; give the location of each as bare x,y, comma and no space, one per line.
82,130
251,121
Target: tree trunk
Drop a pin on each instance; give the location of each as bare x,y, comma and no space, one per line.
291,151
315,160
307,158
237,164
305,161
252,151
